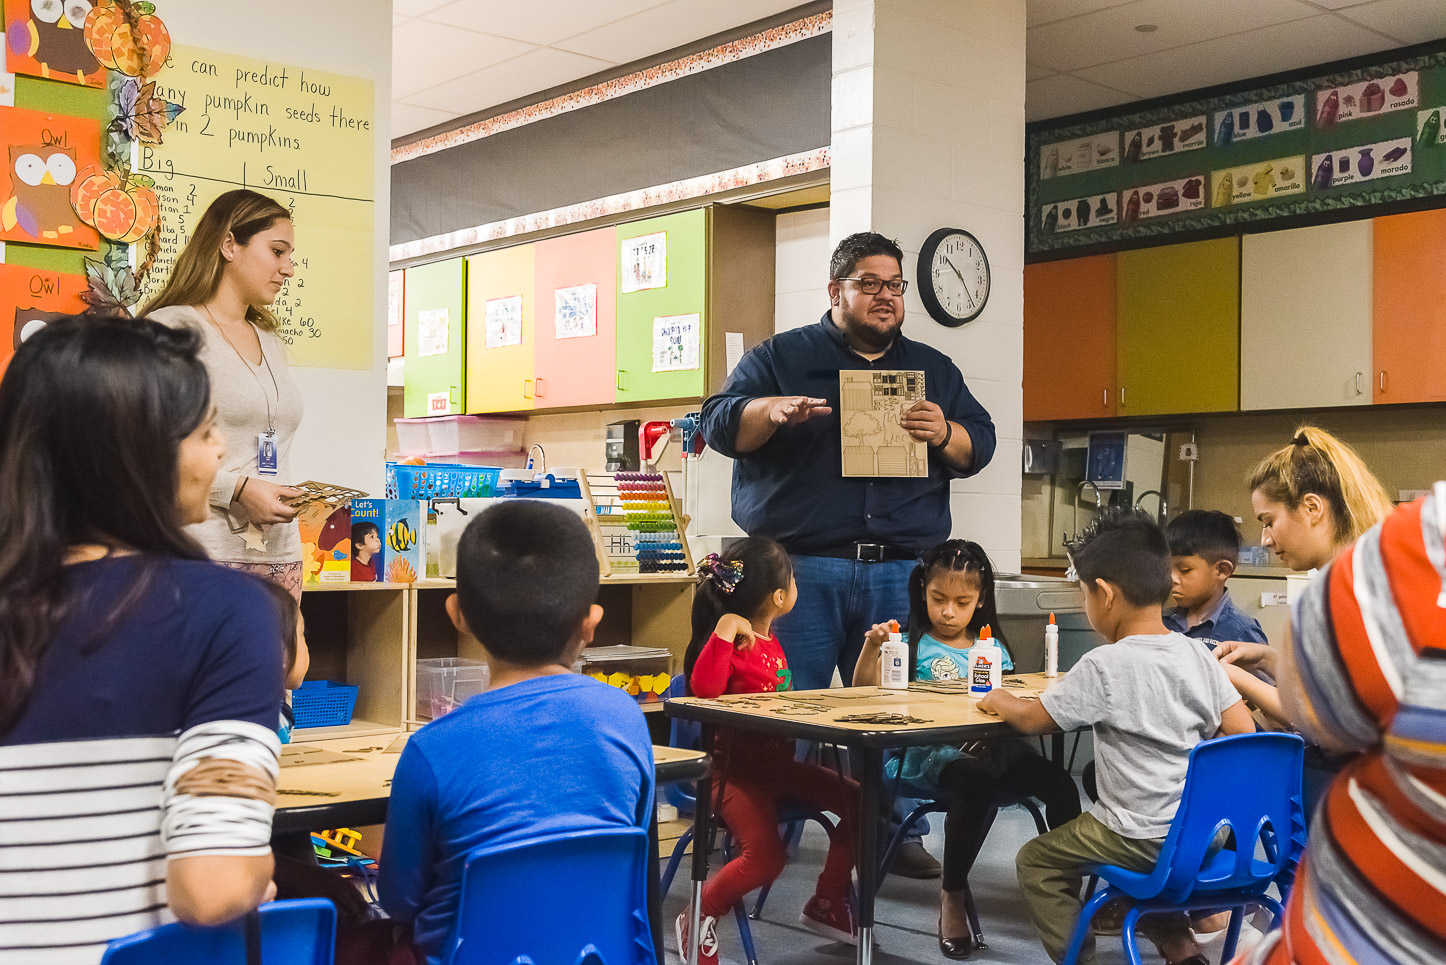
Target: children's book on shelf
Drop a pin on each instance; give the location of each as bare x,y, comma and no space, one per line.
388,539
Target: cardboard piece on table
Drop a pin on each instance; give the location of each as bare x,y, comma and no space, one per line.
298,755
313,491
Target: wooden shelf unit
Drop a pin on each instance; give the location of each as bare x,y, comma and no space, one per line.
372,634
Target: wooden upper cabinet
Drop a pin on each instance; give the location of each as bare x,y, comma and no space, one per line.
1069,339
1179,328
1305,317
1409,308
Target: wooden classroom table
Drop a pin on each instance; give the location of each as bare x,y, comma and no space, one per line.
926,713
350,784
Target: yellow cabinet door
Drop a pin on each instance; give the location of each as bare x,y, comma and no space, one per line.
501,316
1179,328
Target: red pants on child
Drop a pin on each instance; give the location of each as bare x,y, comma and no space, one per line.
754,779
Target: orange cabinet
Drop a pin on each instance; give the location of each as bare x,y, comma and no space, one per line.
1408,342
576,317
1069,339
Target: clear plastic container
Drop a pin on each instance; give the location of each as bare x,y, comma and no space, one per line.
445,683
413,437
473,433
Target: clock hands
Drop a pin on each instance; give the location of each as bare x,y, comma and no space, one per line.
961,278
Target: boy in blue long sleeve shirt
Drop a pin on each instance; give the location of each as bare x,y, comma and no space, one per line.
1204,551
543,751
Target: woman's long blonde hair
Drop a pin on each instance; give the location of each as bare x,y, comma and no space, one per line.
1317,462
197,272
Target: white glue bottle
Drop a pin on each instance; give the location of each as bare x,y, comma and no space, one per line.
986,665
894,660
1051,648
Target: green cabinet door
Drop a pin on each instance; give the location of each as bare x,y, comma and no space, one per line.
652,321
1179,328
436,350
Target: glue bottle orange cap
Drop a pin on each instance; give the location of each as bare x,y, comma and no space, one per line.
986,633
1051,619
893,626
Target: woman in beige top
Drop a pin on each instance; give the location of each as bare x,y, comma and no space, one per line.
235,265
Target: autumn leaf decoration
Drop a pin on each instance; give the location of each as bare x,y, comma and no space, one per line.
111,291
140,113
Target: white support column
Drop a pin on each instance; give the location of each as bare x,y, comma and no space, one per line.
928,132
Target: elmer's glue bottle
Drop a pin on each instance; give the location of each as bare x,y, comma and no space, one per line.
894,660
1051,648
986,665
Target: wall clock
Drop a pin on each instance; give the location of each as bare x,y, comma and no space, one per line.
953,276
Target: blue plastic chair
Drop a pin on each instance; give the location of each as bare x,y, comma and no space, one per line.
1248,784
599,877
791,816
301,932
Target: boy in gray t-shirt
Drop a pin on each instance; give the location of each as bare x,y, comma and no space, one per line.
1151,696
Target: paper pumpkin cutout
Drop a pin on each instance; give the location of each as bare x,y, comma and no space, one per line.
118,204
43,153
127,37
47,38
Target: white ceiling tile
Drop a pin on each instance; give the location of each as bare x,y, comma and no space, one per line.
1035,72
537,23
1265,51
542,68
1061,94
415,8
1409,21
408,118
1109,35
425,54
1048,11
670,25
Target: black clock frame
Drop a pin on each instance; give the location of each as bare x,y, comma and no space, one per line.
925,278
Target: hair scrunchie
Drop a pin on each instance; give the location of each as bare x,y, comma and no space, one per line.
725,575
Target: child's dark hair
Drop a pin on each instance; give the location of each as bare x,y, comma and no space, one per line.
359,532
527,575
1125,547
724,587
1206,533
959,556
289,611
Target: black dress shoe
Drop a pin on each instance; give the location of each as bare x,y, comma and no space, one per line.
957,949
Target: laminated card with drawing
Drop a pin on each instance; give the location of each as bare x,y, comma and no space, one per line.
871,401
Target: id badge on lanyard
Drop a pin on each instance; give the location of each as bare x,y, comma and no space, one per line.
267,453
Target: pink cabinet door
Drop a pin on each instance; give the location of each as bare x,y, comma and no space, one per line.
576,319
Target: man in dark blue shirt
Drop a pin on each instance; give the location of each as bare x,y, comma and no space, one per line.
853,540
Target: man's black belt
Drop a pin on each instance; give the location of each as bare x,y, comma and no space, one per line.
863,552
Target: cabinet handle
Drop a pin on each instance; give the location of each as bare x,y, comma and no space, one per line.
1383,380
540,386
1358,383
1106,403
527,388
1122,397
620,381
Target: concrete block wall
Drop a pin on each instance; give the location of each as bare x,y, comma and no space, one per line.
928,132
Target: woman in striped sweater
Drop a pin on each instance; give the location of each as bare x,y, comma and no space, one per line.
1364,672
140,684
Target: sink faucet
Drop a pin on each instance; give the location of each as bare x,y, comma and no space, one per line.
1164,507
1078,492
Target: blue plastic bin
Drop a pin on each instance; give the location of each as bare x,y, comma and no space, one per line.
441,481
323,703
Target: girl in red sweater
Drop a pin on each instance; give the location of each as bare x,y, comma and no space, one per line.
733,652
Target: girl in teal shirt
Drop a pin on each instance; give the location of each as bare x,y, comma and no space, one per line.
951,597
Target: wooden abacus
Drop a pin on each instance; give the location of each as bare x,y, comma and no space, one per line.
637,524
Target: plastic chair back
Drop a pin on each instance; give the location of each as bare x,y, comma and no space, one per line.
1250,784
687,734
593,880
301,932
